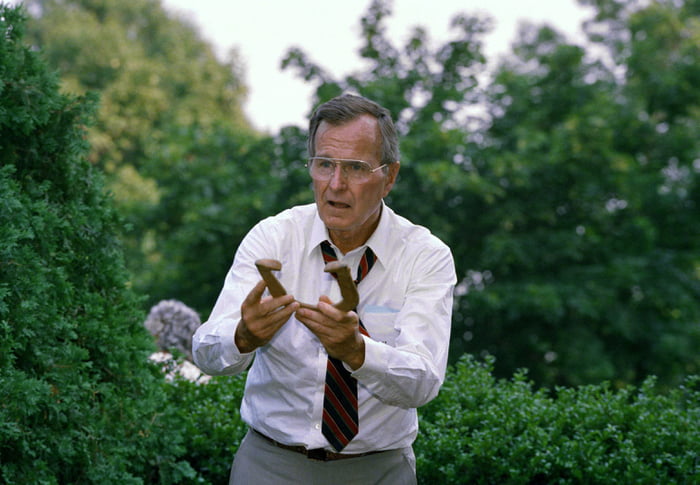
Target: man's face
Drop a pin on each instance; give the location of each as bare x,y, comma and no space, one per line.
351,211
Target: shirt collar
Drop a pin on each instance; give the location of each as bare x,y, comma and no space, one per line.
319,233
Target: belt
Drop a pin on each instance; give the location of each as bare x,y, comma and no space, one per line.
319,454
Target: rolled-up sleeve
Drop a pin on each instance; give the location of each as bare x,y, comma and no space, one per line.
215,351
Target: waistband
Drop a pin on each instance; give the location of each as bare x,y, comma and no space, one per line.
319,454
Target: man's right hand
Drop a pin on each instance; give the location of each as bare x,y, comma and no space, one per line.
261,318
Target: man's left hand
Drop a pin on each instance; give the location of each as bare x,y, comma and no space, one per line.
338,331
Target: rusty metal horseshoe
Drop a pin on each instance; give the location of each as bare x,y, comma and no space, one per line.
265,268
348,289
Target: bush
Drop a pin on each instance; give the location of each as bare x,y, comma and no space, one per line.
483,431
480,430
80,402
210,417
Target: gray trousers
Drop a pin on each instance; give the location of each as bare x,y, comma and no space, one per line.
259,462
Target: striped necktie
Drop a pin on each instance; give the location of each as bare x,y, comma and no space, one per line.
340,420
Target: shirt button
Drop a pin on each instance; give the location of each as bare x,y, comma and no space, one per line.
317,426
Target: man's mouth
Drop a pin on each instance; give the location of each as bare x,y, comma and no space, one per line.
338,205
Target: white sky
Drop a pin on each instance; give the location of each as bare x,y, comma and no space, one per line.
328,31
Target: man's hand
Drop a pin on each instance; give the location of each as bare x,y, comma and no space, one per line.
261,318
338,331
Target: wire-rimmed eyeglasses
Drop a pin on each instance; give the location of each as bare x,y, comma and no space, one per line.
323,168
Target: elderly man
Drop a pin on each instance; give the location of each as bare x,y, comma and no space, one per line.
331,395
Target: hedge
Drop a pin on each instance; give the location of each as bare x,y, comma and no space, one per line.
480,430
484,431
80,401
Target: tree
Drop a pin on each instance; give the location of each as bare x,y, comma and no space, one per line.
560,181
160,86
151,69
590,278
562,202
81,403
431,91
216,186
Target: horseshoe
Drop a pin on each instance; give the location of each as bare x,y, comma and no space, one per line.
348,289
265,268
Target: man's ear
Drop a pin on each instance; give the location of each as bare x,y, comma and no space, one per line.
392,173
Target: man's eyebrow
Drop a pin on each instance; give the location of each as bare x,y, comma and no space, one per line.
336,158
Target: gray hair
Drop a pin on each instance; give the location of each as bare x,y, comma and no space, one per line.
346,108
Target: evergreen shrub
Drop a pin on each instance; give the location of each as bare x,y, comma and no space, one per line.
209,415
480,430
80,401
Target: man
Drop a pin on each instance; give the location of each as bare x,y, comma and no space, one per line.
331,396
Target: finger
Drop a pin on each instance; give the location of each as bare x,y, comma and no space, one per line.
329,310
324,319
311,320
255,294
257,327
312,315
272,304
325,306
280,316
334,335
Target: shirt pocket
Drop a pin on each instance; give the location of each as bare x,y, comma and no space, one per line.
381,325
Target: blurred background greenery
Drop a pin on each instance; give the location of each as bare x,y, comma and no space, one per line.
566,184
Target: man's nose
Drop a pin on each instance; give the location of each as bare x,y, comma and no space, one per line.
338,179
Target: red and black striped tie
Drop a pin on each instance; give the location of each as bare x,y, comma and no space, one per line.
340,421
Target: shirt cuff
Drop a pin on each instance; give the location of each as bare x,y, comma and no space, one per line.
226,335
231,352
375,359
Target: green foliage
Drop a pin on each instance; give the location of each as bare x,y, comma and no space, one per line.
591,249
571,204
165,99
152,70
571,210
80,402
481,430
214,186
210,418
566,183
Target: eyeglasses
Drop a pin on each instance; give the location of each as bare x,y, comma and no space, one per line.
357,171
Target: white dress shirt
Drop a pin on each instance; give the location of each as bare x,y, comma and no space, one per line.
405,305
